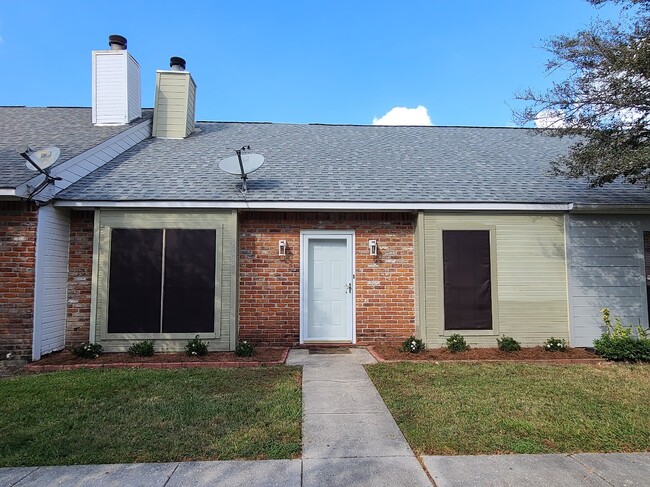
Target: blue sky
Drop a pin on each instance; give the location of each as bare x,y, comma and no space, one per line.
297,61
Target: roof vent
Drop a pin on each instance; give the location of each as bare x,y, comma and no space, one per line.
116,84
117,43
177,63
173,115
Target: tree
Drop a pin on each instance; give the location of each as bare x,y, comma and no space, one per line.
604,101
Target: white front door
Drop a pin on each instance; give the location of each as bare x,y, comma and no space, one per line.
327,287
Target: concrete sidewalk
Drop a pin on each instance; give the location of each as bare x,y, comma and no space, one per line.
348,435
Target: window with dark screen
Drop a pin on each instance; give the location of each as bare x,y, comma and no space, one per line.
188,304
467,279
162,281
134,283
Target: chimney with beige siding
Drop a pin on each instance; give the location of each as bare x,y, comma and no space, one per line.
116,84
173,116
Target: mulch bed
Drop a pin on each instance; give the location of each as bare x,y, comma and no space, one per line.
391,353
65,360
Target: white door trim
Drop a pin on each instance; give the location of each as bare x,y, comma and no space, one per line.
305,235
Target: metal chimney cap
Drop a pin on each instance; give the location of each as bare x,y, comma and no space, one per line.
117,43
177,63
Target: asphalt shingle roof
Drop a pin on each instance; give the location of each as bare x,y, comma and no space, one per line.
69,129
342,163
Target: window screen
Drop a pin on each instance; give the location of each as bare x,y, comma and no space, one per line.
135,280
141,285
188,303
467,279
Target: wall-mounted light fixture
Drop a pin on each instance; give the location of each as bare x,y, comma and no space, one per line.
373,247
282,247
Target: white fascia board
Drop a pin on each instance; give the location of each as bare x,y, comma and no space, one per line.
64,169
605,208
317,205
7,192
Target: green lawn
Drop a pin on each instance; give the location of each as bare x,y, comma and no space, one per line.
129,415
458,409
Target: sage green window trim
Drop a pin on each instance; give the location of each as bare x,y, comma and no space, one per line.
223,223
493,279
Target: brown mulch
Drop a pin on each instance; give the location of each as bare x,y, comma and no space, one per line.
392,352
65,357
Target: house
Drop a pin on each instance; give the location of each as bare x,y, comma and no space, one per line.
346,234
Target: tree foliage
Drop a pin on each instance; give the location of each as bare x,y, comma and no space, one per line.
604,99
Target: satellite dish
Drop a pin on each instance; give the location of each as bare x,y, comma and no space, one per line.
43,158
242,164
249,164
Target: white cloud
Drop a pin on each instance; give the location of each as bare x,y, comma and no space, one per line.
550,119
404,116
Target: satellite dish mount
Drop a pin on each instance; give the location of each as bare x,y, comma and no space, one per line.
242,164
40,160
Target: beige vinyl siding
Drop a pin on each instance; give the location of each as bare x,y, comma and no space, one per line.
174,104
530,288
135,105
223,222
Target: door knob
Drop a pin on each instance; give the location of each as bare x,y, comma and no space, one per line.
348,287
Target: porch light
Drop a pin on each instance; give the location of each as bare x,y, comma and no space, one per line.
373,247
282,247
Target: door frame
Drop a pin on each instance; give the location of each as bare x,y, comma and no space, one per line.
305,236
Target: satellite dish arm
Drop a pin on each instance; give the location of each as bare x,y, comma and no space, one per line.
25,155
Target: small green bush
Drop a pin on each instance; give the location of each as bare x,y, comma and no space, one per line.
87,350
508,344
555,345
196,347
142,349
244,349
619,343
457,343
412,345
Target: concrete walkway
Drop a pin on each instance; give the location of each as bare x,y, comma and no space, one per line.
349,437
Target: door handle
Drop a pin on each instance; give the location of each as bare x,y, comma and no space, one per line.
348,288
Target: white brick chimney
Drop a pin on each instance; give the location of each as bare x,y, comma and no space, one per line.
116,84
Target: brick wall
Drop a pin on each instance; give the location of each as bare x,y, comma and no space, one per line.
79,278
269,292
17,259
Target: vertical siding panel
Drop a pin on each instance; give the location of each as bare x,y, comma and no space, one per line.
52,242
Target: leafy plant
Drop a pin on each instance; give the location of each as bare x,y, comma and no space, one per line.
457,343
87,350
142,349
555,345
508,344
619,342
244,349
196,347
412,345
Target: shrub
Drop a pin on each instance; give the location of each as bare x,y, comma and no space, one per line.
413,345
508,344
457,343
196,347
555,345
87,350
142,349
619,343
244,349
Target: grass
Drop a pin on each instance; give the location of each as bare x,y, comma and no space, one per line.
465,409
129,415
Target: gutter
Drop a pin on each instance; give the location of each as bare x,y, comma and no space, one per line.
315,205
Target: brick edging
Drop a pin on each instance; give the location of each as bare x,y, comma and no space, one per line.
35,367
559,361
